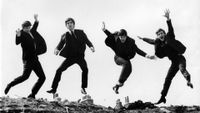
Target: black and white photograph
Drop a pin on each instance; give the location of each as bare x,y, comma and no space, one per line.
99,56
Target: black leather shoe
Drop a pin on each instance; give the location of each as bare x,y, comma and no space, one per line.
162,99
116,88
83,91
7,89
189,84
31,96
51,91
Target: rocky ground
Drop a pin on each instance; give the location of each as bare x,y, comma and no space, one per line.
85,105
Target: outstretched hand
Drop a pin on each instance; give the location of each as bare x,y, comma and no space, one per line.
140,37
103,26
152,57
18,32
167,14
92,49
56,51
36,17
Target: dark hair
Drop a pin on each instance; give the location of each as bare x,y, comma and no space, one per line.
116,33
26,24
159,30
69,19
122,32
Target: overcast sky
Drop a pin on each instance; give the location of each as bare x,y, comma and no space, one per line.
138,17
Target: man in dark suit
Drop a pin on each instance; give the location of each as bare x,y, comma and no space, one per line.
125,49
167,46
32,45
72,46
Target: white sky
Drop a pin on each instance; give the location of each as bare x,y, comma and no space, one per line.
138,17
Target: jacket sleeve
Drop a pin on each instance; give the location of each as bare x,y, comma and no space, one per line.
18,40
87,41
148,40
140,52
170,29
110,40
107,32
35,25
62,42
136,50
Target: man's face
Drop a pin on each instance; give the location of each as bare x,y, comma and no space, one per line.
122,38
70,25
161,35
27,29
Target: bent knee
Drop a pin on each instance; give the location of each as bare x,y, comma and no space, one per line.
25,77
59,70
182,69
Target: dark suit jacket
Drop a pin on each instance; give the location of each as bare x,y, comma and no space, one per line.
170,47
71,47
31,47
125,50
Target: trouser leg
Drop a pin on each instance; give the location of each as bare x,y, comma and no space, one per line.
125,73
26,73
170,75
66,63
182,67
41,77
83,65
126,69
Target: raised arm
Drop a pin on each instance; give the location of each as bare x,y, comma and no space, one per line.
169,24
35,25
108,33
110,40
18,39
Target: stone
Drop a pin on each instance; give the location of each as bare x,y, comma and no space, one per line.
118,105
87,99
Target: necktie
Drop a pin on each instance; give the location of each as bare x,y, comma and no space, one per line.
73,35
33,39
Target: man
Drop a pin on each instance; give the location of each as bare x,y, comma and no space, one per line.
125,49
32,45
167,46
72,46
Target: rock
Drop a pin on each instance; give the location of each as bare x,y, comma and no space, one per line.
164,110
56,97
139,105
192,108
65,102
87,99
127,100
118,105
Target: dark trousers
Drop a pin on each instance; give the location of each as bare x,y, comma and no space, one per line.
178,63
126,68
67,63
30,65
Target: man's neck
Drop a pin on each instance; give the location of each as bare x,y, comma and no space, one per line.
71,30
26,31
